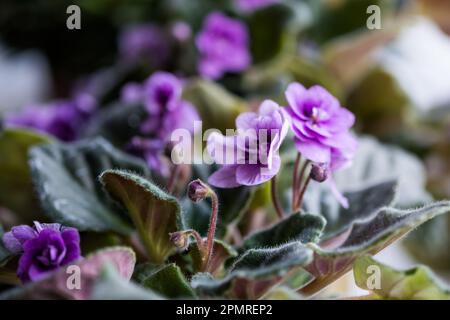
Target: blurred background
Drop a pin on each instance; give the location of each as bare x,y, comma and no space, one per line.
395,79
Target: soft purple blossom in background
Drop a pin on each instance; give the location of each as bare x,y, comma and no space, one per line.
144,43
252,5
167,111
254,150
181,31
321,127
43,248
63,119
223,46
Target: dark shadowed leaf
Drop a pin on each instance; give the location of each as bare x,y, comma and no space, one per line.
221,252
418,283
155,213
66,179
16,188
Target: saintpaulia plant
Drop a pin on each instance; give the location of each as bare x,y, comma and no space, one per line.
42,248
321,128
223,46
167,111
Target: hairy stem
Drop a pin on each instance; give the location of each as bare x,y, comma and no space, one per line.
211,229
173,177
295,179
302,193
275,200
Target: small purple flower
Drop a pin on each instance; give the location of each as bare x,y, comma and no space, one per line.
181,31
131,93
167,111
321,126
250,157
223,46
144,43
252,5
44,248
62,119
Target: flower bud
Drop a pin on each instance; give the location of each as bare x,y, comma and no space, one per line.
180,239
198,190
319,172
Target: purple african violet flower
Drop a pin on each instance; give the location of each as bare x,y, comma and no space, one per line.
181,31
43,248
252,5
321,126
223,46
167,111
144,43
251,156
62,119
131,93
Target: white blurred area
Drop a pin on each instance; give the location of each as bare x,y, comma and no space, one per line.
24,78
419,60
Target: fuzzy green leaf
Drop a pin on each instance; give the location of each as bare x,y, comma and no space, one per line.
418,283
300,227
154,212
65,177
256,271
167,280
334,257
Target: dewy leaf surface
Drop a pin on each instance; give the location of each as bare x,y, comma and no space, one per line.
66,179
418,283
155,213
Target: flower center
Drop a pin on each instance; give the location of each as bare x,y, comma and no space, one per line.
51,256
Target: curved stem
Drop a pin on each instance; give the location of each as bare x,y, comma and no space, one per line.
275,200
173,177
211,229
297,205
302,193
295,180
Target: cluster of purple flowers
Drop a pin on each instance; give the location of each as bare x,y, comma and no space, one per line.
63,119
223,46
43,248
167,111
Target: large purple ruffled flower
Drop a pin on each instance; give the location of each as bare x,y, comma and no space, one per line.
223,46
144,43
43,248
251,156
167,111
252,5
321,126
62,119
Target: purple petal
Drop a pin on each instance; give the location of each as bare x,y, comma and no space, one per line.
23,233
11,243
313,151
251,175
225,177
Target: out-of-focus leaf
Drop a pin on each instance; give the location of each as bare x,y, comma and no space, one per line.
217,107
418,283
55,285
4,253
167,280
16,188
110,286
65,177
375,162
362,204
282,293
155,213
256,271
298,227
117,123
335,256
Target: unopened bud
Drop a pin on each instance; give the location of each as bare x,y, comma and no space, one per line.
198,190
180,239
320,172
